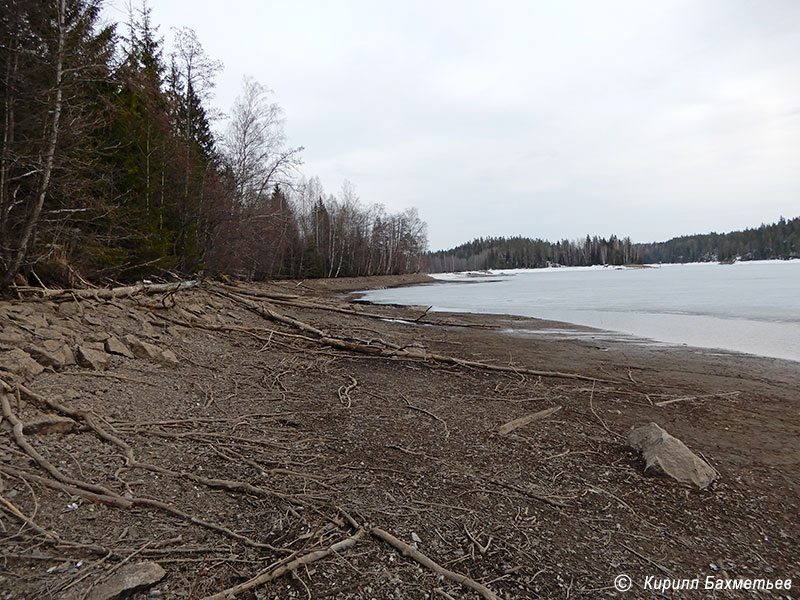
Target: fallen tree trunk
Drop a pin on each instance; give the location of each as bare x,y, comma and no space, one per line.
102,293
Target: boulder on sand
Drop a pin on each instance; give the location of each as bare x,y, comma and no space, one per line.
667,455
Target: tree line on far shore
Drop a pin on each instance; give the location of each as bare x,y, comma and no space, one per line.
110,169
779,240
525,253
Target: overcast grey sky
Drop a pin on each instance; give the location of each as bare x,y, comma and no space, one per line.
548,119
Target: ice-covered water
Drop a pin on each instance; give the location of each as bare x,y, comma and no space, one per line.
751,307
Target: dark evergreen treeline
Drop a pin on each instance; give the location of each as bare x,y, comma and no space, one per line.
525,253
778,240
110,168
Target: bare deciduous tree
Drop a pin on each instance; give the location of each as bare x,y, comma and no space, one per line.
254,144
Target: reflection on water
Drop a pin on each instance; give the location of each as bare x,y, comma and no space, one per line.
748,307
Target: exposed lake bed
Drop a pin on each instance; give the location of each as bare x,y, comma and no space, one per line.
351,407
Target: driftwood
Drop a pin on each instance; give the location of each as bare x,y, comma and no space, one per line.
116,501
430,414
522,421
298,302
103,495
387,350
425,561
35,293
690,398
19,438
257,293
503,369
274,572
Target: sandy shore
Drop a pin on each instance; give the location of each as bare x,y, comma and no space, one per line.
269,441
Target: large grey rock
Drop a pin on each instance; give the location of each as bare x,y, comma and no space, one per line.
169,357
667,455
48,333
30,318
48,424
52,353
91,356
142,349
20,363
11,336
128,580
114,346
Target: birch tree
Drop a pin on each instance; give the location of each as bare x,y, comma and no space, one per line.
254,144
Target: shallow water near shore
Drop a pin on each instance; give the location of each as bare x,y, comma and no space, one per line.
751,307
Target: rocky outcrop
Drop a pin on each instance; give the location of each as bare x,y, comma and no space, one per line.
668,456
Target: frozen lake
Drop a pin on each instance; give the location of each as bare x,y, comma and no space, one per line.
751,307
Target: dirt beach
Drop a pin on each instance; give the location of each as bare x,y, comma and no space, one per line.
286,440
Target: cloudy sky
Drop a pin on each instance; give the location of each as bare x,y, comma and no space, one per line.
548,119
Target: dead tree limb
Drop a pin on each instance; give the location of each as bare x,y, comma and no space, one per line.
257,293
19,438
425,561
116,501
429,413
392,351
507,428
344,392
273,572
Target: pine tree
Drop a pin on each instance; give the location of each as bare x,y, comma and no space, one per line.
55,62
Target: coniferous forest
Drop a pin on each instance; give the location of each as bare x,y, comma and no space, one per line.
111,167
779,240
